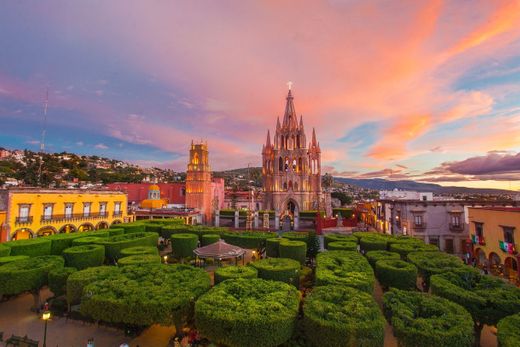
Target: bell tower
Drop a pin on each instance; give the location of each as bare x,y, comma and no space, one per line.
198,180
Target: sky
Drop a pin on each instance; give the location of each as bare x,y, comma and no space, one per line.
421,90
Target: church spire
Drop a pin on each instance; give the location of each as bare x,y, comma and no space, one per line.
301,122
268,141
314,142
289,118
278,126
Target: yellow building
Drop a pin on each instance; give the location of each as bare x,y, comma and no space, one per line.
32,212
494,232
154,200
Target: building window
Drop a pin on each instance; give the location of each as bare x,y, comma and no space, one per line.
68,209
102,209
455,220
47,211
448,246
23,213
433,240
508,234
418,220
86,209
117,208
479,229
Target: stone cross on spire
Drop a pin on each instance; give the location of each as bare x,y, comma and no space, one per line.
289,84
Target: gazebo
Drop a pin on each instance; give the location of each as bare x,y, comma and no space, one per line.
220,250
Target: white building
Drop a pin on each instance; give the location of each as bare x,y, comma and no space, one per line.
405,195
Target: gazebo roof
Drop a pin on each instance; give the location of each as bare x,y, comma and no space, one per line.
220,250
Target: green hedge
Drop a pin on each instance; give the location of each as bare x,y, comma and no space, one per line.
168,231
114,245
431,263
139,259
487,298
78,280
27,274
234,272
134,227
145,295
58,280
404,248
208,239
153,228
60,242
373,243
328,238
249,240
296,235
115,232
508,331
97,233
346,269
248,313
139,250
396,274
342,316
374,256
4,250
427,321
272,246
296,250
346,213
88,240
10,259
362,234
278,269
342,246
30,247
82,257
183,245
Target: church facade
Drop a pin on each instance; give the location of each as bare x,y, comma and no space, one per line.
291,169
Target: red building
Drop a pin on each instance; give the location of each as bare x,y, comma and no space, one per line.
175,193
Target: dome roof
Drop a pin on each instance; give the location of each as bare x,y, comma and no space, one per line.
154,187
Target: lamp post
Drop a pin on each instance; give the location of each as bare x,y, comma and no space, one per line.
46,316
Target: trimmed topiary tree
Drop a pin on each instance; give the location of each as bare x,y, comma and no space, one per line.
58,280
508,331
10,259
374,256
423,320
135,227
114,245
328,238
342,246
139,250
396,273
488,299
183,245
82,257
250,240
345,269
153,228
140,259
313,245
4,250
272,247
60,242
248,313
115,231
208,239
342,316
234,272
146,294
296,236
403,248
431,263
30,247
278,269
78,280
373,243
88,240
28,275
296,250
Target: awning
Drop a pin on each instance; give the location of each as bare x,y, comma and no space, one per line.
219,250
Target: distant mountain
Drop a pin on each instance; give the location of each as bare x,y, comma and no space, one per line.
382,184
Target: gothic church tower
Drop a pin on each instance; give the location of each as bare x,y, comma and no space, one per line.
198,180
291,170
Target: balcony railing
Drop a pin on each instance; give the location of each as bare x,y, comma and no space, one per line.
478,240
117,214
23,220
72,217
456,227
419,227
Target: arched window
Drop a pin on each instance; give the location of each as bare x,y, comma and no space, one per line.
290,185
280,164
293,142
296,186
300,168
286,164
285,186
298,141
282,142
294,165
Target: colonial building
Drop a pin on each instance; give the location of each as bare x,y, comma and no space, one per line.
174,193
32,212
291,170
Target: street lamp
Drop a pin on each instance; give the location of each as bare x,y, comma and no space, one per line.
165,259
46,316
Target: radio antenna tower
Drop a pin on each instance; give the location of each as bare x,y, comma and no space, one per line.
44,130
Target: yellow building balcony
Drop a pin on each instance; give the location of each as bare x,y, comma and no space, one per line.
73,217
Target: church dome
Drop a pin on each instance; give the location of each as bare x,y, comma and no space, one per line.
154,187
